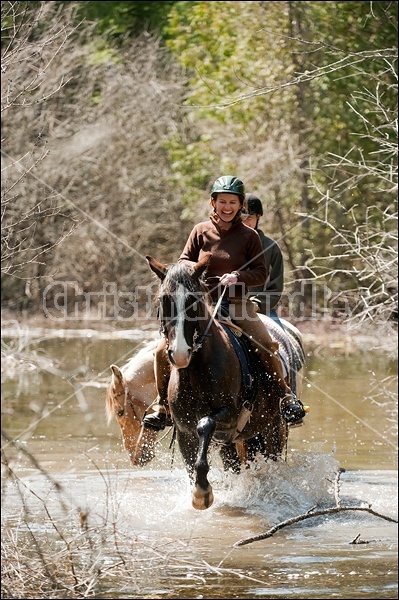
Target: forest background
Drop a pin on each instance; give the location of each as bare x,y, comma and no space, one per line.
118,116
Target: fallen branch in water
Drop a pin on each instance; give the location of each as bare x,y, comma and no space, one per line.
357,540
317,513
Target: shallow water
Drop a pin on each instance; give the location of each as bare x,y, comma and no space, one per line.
136,526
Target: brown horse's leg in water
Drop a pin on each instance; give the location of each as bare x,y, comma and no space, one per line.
230,458
202,496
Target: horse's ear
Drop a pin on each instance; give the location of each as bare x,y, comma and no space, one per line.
158,268
117,374
202,265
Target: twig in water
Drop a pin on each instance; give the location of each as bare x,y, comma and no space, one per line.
359,541
317,513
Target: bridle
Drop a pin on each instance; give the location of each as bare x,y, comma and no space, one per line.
128,400
198,338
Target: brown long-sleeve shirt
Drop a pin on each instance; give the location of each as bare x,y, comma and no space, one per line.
238,249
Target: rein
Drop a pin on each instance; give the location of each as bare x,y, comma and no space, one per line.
198,343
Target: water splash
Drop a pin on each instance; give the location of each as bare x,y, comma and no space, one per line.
276,490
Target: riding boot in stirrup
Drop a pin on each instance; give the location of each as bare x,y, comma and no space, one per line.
160,418
292,410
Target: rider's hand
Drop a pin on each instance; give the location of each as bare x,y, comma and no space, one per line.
228,279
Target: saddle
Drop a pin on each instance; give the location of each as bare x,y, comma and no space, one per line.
251,368
250,371
291,358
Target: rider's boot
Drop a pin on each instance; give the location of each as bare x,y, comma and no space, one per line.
292,410
160,418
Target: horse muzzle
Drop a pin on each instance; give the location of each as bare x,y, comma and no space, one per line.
180,359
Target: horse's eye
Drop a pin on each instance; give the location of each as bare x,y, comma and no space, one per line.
120,412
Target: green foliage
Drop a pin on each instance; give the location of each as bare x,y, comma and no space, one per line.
101,55
298,98
118,19
226,59
226,63
317,73
357,90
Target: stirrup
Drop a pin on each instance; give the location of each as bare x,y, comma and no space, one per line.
158,420
292,410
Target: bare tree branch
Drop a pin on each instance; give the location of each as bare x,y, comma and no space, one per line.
315,513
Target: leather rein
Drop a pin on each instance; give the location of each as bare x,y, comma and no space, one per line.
199,338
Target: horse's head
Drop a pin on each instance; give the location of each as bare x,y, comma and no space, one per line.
183,302
123,403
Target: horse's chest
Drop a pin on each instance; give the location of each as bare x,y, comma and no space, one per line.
200,393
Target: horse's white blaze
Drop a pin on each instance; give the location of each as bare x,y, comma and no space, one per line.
180,350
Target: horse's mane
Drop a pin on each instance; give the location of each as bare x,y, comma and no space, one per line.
110,403
182,274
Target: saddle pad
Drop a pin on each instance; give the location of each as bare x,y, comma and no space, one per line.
284,349
241,354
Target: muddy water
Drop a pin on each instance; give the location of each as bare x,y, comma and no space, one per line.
136,527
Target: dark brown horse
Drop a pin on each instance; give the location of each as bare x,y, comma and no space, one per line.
206,392
130,394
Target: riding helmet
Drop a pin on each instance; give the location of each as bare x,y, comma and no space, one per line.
229,185
253,205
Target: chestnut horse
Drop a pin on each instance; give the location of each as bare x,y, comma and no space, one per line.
206,393
129,395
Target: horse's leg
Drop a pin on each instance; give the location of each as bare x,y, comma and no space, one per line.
188,446
272,444
202,496
231,460
255,445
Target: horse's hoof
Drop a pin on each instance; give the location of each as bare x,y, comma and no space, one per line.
203,501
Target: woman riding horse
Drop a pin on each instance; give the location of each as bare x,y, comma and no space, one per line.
237,262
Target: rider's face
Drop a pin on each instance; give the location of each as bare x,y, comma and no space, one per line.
250,220
227,206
